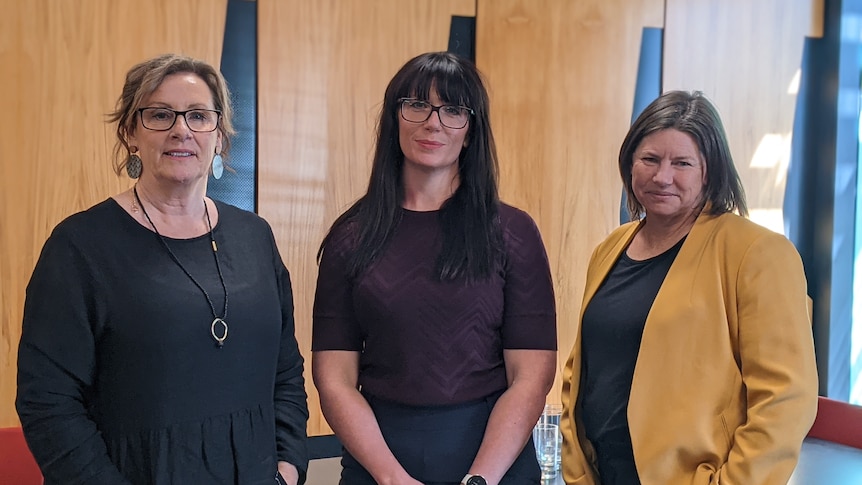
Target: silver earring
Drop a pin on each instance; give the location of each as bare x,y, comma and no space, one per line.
218,166
134,166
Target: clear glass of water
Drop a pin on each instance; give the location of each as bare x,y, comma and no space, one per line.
547,448
551,415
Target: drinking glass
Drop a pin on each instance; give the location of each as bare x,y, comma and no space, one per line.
547,448
551,415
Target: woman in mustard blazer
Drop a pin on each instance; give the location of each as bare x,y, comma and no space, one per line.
694,358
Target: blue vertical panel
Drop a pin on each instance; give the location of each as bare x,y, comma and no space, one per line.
239,67
856,332
821,192
849,183
846,149
462,37
799,215
808,197
647,85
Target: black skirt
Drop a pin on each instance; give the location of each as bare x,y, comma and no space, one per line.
437,444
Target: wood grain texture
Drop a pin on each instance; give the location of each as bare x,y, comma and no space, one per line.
323,68
745,55
64,65
561,75
562,80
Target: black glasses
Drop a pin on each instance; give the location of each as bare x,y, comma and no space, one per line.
418,111
163,119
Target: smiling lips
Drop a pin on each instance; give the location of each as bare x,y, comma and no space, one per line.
662,194
429,144
179,153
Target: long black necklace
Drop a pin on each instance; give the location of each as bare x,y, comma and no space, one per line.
217,321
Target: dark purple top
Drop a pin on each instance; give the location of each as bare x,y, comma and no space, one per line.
428,342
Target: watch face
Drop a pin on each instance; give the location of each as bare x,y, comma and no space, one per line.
476,480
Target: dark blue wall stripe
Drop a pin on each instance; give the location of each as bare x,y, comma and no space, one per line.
239,67
462,37
807,215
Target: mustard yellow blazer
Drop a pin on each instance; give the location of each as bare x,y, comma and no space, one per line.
725,385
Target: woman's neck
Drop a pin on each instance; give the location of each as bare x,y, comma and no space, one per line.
179,214
172,202
428,191
657,236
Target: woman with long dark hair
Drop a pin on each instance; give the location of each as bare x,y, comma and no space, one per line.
434,341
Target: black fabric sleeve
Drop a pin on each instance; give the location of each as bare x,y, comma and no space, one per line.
291,401
530,314
56,367
335,325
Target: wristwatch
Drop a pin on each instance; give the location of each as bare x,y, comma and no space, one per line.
473,480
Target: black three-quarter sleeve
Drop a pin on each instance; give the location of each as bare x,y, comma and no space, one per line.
291,405
56,366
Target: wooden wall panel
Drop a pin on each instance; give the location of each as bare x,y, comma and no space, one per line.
64,63
562,79
745,55
323,67
561,76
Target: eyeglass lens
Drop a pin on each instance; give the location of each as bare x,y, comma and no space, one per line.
451,116
164,119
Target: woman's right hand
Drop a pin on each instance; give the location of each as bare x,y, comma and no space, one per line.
336,375
405,480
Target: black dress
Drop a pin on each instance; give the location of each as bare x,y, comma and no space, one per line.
119,379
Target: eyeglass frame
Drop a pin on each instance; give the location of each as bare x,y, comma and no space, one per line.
177,115
470,112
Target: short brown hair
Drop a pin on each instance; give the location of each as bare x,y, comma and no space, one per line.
691,113
144,78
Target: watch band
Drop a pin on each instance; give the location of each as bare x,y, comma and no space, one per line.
470,479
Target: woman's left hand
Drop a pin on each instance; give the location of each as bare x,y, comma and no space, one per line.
530,374
288,473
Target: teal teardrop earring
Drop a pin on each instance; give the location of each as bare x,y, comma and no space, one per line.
218,166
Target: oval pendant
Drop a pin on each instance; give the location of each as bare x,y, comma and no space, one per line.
219,339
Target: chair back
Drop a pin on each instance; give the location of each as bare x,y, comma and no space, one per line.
17,465
838,422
